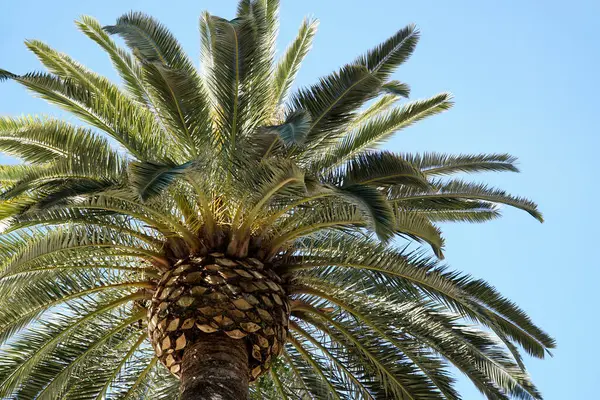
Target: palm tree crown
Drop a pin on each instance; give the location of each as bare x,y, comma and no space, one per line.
181,162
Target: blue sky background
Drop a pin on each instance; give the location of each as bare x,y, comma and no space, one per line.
525,75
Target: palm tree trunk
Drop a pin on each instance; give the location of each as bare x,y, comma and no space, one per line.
215,367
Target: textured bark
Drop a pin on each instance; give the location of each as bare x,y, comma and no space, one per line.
217,295
215,368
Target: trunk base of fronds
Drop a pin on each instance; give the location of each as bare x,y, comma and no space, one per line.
216,295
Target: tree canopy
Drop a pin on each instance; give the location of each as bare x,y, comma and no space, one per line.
180,159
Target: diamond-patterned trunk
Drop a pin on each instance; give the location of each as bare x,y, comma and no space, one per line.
241,298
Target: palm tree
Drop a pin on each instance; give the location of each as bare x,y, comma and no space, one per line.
210,233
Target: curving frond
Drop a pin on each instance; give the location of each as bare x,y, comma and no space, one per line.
448,192
333,102
379,106
237,78
151,179
397,88
42,140
380,169
289,64
127,67
174,86
435,164
116,115
379,128
387,56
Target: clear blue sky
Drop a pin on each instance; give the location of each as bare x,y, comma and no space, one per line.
525,75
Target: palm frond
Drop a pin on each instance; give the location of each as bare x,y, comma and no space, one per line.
113,113
181,101
386,57
269,182
4,75
458,189
450,288
358,388
332,392
301,389
308,222
420,228
308,377
175,86
396,88
377,213
376,130
459,211
420,321
379,169
293,131
237,77
379,106
42,140
127,67
151,179
436,164
393,373
151,40
80,353
10,174
333,102
289,64
20,370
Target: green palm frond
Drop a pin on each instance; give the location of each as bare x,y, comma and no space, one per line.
447,192
181,102
397,88
10,174
289,64
293,131
308,377
354,386
175,87
376,130
456,344
435,164
458,211
264,14
420,228
386,57
375,210
333,101
150,40
42,140
380,169
4,75
391,370
452,289
92,345
114,114
127,67
320,370
151,179
20,370
237,67
181,162
102,169
378,107
301,389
